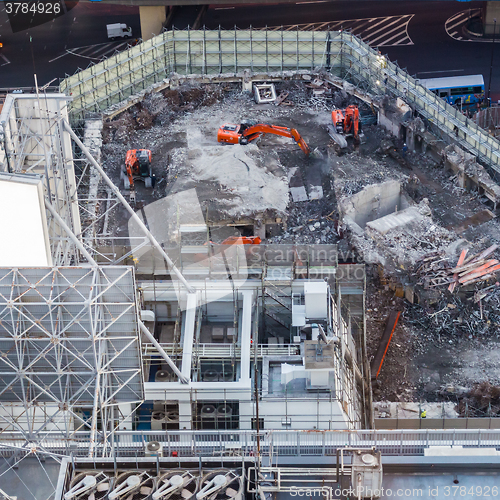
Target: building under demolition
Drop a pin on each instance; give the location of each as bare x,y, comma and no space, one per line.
210,334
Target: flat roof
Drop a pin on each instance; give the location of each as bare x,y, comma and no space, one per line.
453,81
23,225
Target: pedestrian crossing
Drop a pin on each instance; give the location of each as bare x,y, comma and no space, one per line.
376,31
455,25
96,52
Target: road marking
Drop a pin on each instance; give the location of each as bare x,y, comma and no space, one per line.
459,21
366,28
58,57
105,50
442,71
5,59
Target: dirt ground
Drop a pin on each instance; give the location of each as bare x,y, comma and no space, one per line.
432,356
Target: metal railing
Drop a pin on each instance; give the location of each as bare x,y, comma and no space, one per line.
272,443
223,350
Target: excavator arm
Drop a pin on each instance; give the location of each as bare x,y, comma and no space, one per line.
130,161
255,131
235,134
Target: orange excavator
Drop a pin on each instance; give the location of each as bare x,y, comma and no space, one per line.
242,240
137,168
247,132
346,122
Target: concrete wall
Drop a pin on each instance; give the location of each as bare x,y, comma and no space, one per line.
152,19
375,201
491,12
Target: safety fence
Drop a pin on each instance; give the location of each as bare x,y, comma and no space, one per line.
271,443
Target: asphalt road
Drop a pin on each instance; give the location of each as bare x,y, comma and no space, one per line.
427,50
83,28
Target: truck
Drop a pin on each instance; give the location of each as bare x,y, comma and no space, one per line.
118,30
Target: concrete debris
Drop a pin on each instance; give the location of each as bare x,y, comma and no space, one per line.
420,210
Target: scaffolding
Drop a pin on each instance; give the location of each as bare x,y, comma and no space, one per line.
71,354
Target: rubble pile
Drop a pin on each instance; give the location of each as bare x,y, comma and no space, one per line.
416,237
435,270
483,400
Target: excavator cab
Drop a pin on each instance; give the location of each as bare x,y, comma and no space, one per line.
137,168
338,121
229,133
143,162
351,124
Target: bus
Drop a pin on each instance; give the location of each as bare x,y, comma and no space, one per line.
457,90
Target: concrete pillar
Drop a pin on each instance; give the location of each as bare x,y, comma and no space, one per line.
152,19
491,12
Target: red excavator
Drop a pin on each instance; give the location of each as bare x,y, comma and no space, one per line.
247,132
137,168
346,122
242,240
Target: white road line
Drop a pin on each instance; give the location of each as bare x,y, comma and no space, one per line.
59,57
400,42
85,50
366,27
385,34
386,42
454,33
456,24
100,49
5,59
379,23
385,27
456,16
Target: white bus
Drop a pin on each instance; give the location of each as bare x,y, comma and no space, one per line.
457,90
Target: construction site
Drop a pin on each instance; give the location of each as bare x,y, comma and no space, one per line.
245,265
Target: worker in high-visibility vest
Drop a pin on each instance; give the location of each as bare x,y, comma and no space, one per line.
423,414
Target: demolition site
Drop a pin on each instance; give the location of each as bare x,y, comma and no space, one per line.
226,267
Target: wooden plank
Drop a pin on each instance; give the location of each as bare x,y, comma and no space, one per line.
461,259
385,341
478,274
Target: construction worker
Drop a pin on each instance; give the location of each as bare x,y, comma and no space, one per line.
423,414
405,149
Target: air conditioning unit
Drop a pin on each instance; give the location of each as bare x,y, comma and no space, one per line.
176,485
210,376
153,449
226,377
208,412
162,376
158,420
224,411
222,484
172,417
133,485
88,485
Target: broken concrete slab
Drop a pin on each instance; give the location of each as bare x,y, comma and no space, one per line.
396,220
297,189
